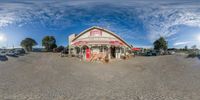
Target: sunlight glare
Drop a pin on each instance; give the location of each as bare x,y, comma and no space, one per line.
2,38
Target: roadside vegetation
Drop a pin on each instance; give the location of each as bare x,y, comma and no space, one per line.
160,48
194,52
28,44
193,55
160,44
49,42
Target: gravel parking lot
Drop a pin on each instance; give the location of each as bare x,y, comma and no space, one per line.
46,76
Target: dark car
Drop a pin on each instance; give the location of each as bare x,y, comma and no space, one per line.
155,53
64,52
19,51
3,58
152,53
149,53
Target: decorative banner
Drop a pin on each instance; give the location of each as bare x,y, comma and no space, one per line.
116,43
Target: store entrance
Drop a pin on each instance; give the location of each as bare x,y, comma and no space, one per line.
112,52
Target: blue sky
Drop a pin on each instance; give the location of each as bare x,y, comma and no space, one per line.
139,22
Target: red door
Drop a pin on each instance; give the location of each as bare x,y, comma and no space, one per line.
88,54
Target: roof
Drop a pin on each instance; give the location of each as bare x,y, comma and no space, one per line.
96,27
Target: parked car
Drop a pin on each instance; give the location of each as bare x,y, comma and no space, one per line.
64,52
166,53
172,52
19,51
59,49
148,53
152,53
3,58
156,53
11,53
2,51
38,50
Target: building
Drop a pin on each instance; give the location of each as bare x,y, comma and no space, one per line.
96,40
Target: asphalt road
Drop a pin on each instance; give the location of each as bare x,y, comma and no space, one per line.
46,76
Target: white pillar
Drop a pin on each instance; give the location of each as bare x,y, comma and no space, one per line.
109,52
69,50
120,52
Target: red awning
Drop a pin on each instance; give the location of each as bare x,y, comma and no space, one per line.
136,49
116,43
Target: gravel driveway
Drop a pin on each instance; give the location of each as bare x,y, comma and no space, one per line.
46,76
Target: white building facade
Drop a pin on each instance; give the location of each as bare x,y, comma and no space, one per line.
97,40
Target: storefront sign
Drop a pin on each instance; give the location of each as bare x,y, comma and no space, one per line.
95,32
79,43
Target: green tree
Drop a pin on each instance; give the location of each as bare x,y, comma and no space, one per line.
160,44
28,43
49,42
186,48
194,47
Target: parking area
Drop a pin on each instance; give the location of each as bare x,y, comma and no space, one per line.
47,76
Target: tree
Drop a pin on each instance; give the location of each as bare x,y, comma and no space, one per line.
160,44
28,43
49,42
194,47
186,48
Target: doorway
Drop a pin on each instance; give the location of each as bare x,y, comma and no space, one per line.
112,52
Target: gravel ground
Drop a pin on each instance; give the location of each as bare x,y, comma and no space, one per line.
46,76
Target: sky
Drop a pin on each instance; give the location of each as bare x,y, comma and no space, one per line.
139,22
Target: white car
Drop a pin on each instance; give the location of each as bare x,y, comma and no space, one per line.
172,52
11,54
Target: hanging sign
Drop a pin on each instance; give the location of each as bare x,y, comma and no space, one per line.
95,32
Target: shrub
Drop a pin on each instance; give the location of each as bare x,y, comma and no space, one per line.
60,48
193,55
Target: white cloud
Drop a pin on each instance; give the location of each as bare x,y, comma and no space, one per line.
181,43
166,22
162,18
143,46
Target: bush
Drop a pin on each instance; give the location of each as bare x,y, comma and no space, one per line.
59,49
193,55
